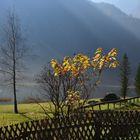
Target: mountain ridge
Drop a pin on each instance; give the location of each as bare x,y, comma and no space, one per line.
56,28
63,27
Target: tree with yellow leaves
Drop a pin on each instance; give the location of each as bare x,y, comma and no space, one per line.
74,78
81,63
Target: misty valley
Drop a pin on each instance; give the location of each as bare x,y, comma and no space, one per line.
69,69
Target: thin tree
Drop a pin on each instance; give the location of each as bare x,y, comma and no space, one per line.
66,82
125,73
12,54
56,88
137,81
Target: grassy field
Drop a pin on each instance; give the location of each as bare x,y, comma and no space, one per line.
26,112
34,111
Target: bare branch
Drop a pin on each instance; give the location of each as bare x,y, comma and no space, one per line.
12,53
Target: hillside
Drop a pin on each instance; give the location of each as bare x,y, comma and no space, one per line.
55,28
64,27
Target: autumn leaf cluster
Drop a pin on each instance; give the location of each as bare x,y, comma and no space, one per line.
73,98
81,63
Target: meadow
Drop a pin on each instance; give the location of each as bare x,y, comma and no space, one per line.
31,111
34,111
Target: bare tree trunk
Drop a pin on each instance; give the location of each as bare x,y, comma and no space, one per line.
14,64
14,89
15,99
12,52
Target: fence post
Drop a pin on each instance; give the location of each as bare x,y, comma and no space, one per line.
99,107
134,100
137,99
108,106
120,103
97,131
114,105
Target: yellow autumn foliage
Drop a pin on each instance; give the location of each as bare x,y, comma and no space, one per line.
80,63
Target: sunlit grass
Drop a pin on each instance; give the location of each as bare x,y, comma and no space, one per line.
26,112
34,111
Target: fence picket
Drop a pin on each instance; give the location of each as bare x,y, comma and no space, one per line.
93,125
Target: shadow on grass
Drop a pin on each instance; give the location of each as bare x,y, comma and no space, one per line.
25,116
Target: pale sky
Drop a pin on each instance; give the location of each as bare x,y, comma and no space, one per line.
128,6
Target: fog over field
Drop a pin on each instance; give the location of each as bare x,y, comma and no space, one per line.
58,28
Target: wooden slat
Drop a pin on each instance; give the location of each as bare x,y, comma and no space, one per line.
92,125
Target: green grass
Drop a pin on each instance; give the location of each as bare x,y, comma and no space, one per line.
33,111
26,112
127,106
124,106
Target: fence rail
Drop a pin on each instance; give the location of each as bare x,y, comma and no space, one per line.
121,102
97,125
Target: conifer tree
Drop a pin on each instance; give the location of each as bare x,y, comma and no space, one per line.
137,81
125,73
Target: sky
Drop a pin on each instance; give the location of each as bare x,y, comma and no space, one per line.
128,6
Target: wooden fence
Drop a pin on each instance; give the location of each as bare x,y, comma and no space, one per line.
120,102
97,125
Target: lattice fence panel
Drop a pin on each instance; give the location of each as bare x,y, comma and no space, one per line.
104,125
